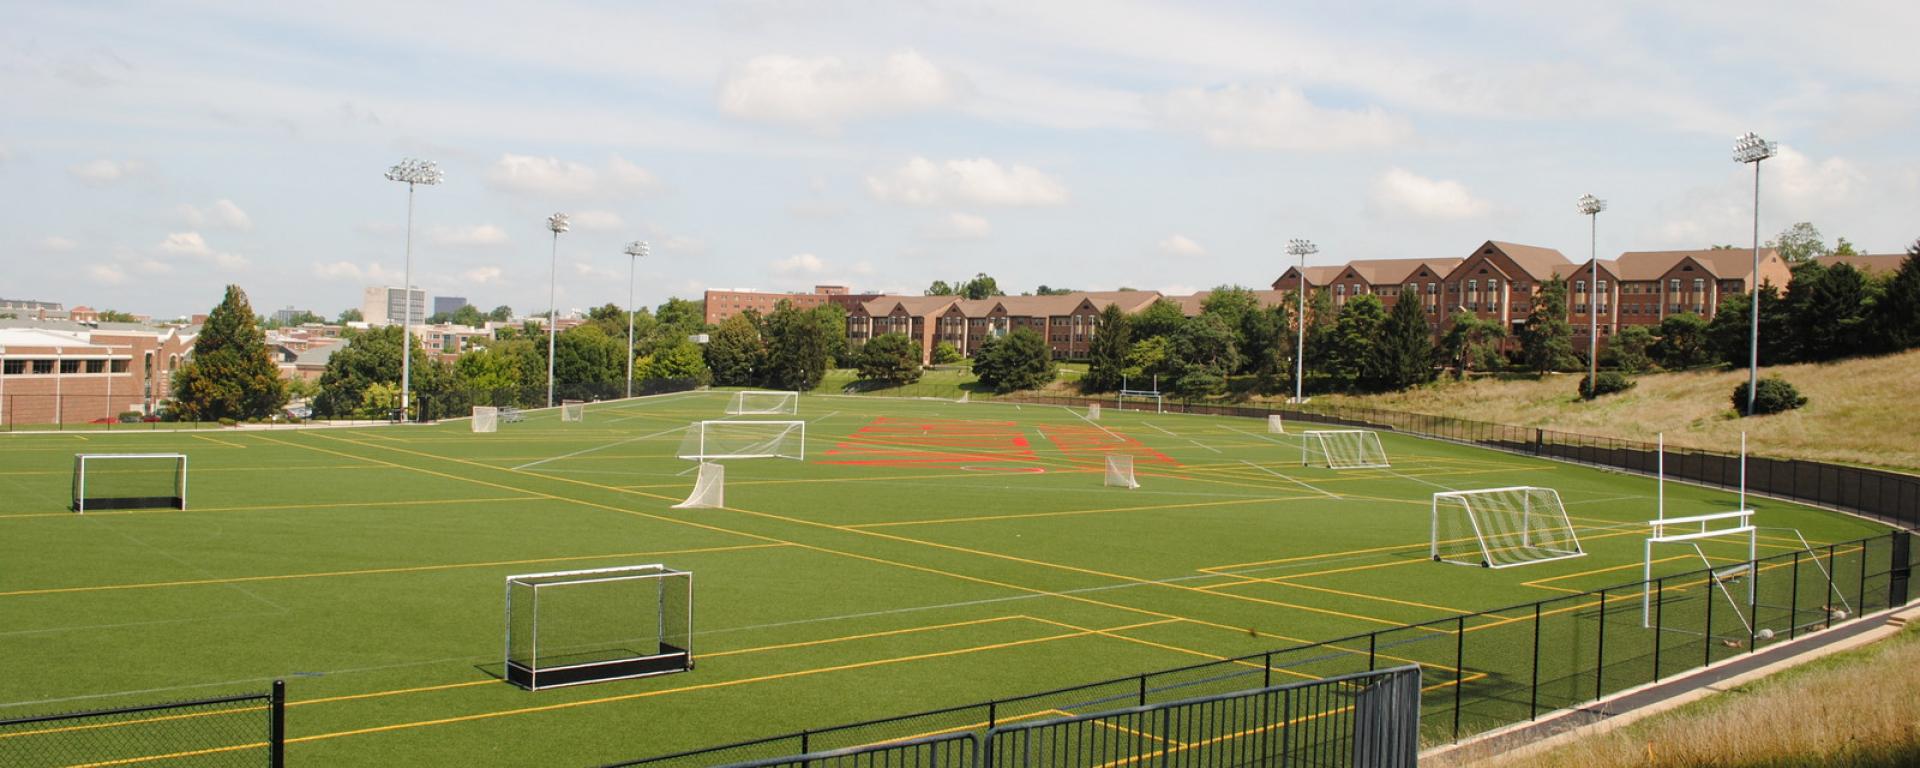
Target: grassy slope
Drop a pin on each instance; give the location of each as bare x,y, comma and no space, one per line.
1858,411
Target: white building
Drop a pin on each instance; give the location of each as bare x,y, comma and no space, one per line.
387,305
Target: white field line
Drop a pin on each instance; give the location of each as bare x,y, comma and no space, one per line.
1329,494
1163,430
1419,480
1261,436
583,451
1204,445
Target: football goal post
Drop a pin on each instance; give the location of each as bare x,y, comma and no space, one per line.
1274,425
1690,533
573,410
1342,449
1159,401
709,488
129,481
1502,527
589,626
1120,471
486,418
715,440
763,403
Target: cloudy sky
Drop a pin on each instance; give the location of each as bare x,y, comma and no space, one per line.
150,153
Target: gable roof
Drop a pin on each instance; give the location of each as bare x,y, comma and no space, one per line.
1315,275
1395,271
1728,263
1870,263
1540,263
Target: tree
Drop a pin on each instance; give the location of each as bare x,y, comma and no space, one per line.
117,316
1352,361
1546,341
1149,360
1161,318
1730,333
1628,349
1207,353
1019,360
890,357
1683,342
588,362
1830,309
1799,243
1107,352
833,317
1321,318
677,361
495,374
736,354
1266,347
1045,291
1472,343
351,316
1405,351
940,288
373,357
797,347
231,375
501,314
1897,314
1843,248
980,287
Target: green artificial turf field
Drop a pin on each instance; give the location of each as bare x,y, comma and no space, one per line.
924,554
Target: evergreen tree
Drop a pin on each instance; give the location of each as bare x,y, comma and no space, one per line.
1629,349
1206,352
890,357
1546,342
1472,343
797,347
231,374
1405,351
1683,342
980,287
1107,353
1266,347
1831,314
736,354
1161,318
1019,360
1352,360
1730,333
1897,315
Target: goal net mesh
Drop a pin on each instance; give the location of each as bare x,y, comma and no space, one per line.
1345,449
1093,411
129,481
1501,527
486,418
1275,426
1120,471
710,440
709,488
763,403
573,410
584,619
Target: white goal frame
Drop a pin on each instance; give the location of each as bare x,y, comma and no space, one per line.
486,418
177,501
573,410
789,403
1481,534
701,452
1119,472
1367,438
709,488
1703,528
1159,400
674,646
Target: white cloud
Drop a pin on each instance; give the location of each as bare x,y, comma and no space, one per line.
105,171
107,273
223,214
348,271
683,244
192,244
1802,179
553,176
826,91
588,270
1402,191
598,221
56,244
963,226
1274,117
979,181
1181,245
477,236
482,275
799,264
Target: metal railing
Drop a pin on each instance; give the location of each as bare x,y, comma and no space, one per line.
244,730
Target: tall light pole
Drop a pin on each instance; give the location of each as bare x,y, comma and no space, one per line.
1592,206
1753,149
557,223
413,173
1301,248
636,250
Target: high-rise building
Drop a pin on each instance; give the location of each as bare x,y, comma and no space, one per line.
443,305
387,305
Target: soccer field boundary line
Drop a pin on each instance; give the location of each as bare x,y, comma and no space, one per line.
1257,435
270,507
200,470
211,439
1302,483
584,451
1075,512
1450,611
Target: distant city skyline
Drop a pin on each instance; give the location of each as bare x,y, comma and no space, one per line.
160,152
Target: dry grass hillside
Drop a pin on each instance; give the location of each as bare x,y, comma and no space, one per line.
1861,411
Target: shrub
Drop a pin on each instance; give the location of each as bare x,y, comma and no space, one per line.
1606,383
1775,395
945,352
227,421
131,417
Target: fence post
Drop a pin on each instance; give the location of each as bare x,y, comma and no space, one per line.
993,713
1860,604
277,725
1373,643
1266,672
1706,632
1600,650
1459,668
1753,603
1533,691
1143,690
1793,600
1827,596
1659,621
1899,569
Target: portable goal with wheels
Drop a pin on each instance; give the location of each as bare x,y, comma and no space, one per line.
573,410
709,488
1342,449
1502,527
1120,471
486,418
576,627
763,403
129,481
715,440
1275,426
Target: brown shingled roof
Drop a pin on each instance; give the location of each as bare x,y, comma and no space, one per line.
1723,263
1870,263
1540,263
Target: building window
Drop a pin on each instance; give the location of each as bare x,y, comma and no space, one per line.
43,367
96,366
69,366
16,367
1699,286
1673,286
1433,289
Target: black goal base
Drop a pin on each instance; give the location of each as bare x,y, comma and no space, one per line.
130,502
670,659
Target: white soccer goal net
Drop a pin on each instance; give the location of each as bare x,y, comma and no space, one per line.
762,403
709,488
1502,527
486,418
1342,449
129,481
1120,471
1275,426
1093,411
715,440
573,410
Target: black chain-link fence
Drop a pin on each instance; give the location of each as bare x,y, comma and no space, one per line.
242,731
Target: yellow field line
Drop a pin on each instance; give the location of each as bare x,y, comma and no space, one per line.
220,441
273,507
1072,512
1329,590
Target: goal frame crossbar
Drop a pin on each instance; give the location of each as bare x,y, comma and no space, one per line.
789,403
1319,436
701,454
1718,576
176,501
1487,560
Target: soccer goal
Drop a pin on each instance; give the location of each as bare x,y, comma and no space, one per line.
714,440
589,626
1342,449
1159,401
763,403
486,418
573,410
129,481
1120,471
1275,426
1093,411
709,488
1502,527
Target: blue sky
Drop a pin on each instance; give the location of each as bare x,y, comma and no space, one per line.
152,153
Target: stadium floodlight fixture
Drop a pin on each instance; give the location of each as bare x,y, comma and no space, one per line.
636,251
558,223
1750,148
412,172
1301,248
1592,206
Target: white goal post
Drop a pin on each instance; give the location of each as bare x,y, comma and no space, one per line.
486,418
1343,449
573,410
709,488
587,626
129,481
1159,401
756,402
1693,529
1502,527
736,439
1275,426
1120,471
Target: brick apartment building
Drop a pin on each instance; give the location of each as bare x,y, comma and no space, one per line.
721,305
73,374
